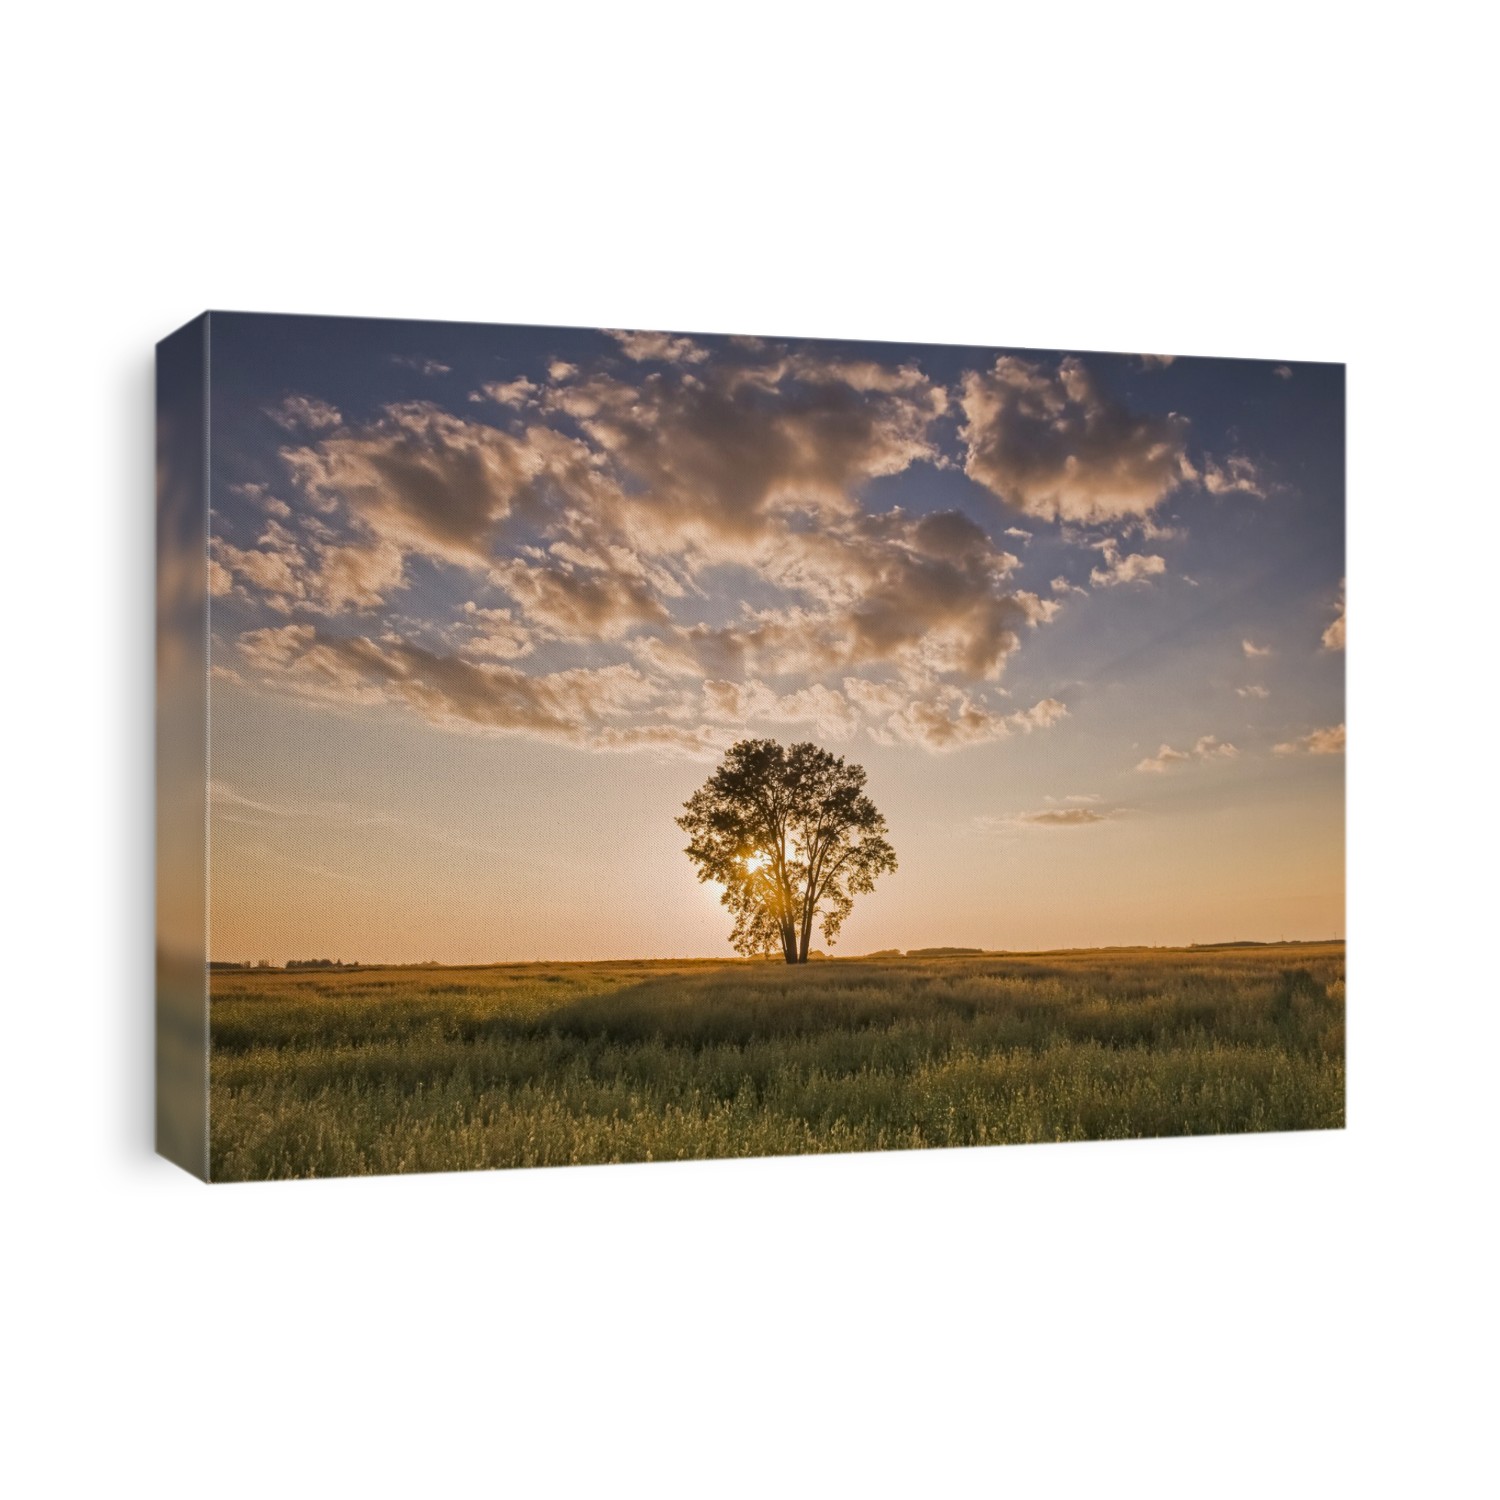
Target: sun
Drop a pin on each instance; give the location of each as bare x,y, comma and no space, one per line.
756,861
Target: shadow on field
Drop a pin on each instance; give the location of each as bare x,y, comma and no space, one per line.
747,1005
1023,1004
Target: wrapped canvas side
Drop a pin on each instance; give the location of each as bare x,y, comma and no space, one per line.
182,747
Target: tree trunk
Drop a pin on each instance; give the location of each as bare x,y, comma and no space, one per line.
789,942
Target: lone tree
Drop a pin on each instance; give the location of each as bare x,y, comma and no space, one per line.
792,838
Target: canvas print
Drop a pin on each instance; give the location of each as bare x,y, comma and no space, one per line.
611,746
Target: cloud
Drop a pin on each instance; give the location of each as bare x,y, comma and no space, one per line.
427,367
1252,650
1041,715
305,412
664,347
603,707
675,467
1153,532
1066,817
946,718
755,701
1237,474
1060,585
1156,361
1333,637
1054,446
436,484
706,468
1328,741
261,497
515,392
1163,760
287,572
581,706
1019,532
1208,748
612,514
579,604
1133,568
355,577
495,633
1067,812
1283,372
928,595
1254,690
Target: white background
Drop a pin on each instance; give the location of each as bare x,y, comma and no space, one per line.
1289,1315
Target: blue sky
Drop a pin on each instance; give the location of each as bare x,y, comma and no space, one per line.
488,601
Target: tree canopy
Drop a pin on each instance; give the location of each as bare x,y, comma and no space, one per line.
792,838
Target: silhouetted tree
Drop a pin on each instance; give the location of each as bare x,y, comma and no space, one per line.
792,838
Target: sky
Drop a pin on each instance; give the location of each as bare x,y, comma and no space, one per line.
488,602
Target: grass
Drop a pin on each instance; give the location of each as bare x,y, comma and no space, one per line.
423,1070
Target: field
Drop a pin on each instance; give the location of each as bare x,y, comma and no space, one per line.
439,1069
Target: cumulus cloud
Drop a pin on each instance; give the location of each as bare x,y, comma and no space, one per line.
928,595
610,515
1163,760
287,572
665,347
1328,741
1333,637
1207,748
1156,361
1283,372
945,718
1134,567
1252,650
711,469
1237,474
579,604
515,392
1051,444
1210,747
586,706
297,412
495,633
438,485
756,702
1041,715
1254,690
609,707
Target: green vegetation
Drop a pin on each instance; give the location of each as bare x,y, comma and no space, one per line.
420,1069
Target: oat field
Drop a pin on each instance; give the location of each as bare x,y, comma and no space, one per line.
380,1070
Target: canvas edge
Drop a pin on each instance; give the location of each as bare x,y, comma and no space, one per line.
182,372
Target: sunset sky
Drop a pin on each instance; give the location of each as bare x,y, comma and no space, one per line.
487,603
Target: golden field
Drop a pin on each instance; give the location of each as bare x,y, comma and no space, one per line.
376,1070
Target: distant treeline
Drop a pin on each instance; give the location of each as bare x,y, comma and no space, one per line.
291,963
923,953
